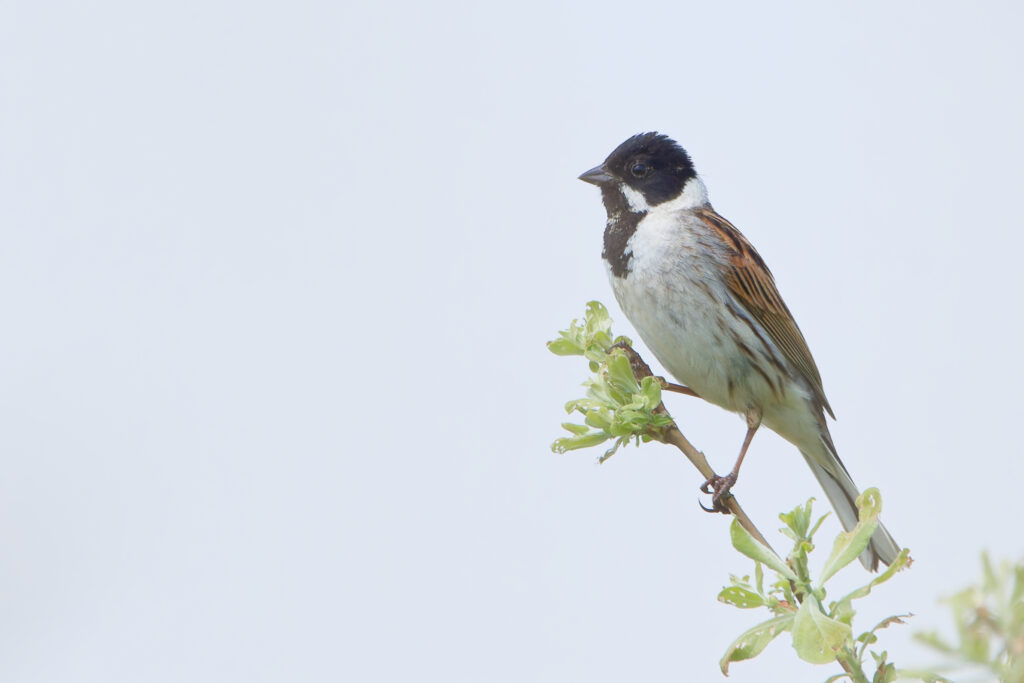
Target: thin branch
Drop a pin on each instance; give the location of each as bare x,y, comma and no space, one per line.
672,435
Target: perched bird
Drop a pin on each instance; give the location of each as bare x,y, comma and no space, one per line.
706,305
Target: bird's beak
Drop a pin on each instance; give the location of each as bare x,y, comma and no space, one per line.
596,176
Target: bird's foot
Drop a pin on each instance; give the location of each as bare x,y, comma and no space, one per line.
718,488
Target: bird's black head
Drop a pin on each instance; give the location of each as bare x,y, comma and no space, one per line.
650,163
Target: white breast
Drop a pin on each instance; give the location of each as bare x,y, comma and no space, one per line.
672,300
676,298
675,295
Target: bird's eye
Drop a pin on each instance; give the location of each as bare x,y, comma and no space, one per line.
640,169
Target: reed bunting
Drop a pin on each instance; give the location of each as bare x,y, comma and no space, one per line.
706,305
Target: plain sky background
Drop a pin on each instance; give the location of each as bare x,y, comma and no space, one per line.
276,278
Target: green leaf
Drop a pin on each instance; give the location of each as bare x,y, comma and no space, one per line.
740,597
619,443
651,390
889,621
869,504
574,428
597,318
842,611
798,520
753,641
581,405
850,544
843,604
919,675
933,639
598,419
797,559
752,548
886,671
817,525
1017,592
989,581
817,638
869,637
565,347
620,373
573,443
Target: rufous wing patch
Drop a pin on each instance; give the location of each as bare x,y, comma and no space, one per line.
750,281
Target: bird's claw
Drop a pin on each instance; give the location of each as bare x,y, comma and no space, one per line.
718,488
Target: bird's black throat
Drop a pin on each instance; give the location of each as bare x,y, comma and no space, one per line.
616,235
622,223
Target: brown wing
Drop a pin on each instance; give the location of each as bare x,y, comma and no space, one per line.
752,284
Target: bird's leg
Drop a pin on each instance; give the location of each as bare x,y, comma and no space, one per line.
642,369
718,486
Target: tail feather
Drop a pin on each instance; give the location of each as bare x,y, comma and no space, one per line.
842,493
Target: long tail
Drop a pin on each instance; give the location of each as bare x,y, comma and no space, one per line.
842,493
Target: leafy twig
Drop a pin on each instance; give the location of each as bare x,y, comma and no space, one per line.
989,618
623,404
822,631
623,401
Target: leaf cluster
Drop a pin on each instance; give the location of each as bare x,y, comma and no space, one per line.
616,406
989,619
619,408
821,629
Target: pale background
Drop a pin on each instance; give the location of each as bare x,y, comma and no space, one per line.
275,281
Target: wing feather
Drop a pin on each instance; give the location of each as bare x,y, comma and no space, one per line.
750,281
